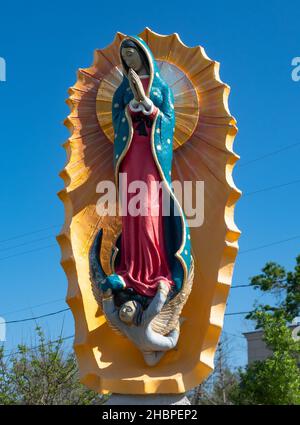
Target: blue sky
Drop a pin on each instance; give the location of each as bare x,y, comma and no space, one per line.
44,45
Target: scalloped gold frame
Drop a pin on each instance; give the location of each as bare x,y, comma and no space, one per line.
108,362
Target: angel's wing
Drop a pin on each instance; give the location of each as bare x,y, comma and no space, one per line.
168,318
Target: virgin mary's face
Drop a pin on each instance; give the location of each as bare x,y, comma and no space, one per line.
132,58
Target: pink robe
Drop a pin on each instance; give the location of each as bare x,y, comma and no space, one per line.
143,255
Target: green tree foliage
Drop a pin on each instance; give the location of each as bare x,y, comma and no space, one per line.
275,279
276,380
43,375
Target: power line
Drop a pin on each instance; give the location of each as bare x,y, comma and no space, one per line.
240,286
266,189
32,307
233,287
28,319
235,335
28,252
28,233
27,243
63,299
270,244
72,336
57,225
237,313
39,346
66,309
269,154
52,245
253,285
55,245
240,252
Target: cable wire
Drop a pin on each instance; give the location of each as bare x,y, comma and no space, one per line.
29,233
32,307
270,244
266,189
284,148
27,243
28,252
39,346
28,319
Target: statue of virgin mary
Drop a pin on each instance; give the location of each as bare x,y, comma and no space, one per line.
154,244
135,271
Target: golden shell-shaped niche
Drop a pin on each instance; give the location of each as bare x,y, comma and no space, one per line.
203,142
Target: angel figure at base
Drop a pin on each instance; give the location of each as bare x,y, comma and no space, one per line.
151,257
135,323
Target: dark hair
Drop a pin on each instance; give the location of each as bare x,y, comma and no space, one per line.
142,54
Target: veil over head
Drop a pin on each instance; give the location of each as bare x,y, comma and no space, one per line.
131,43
